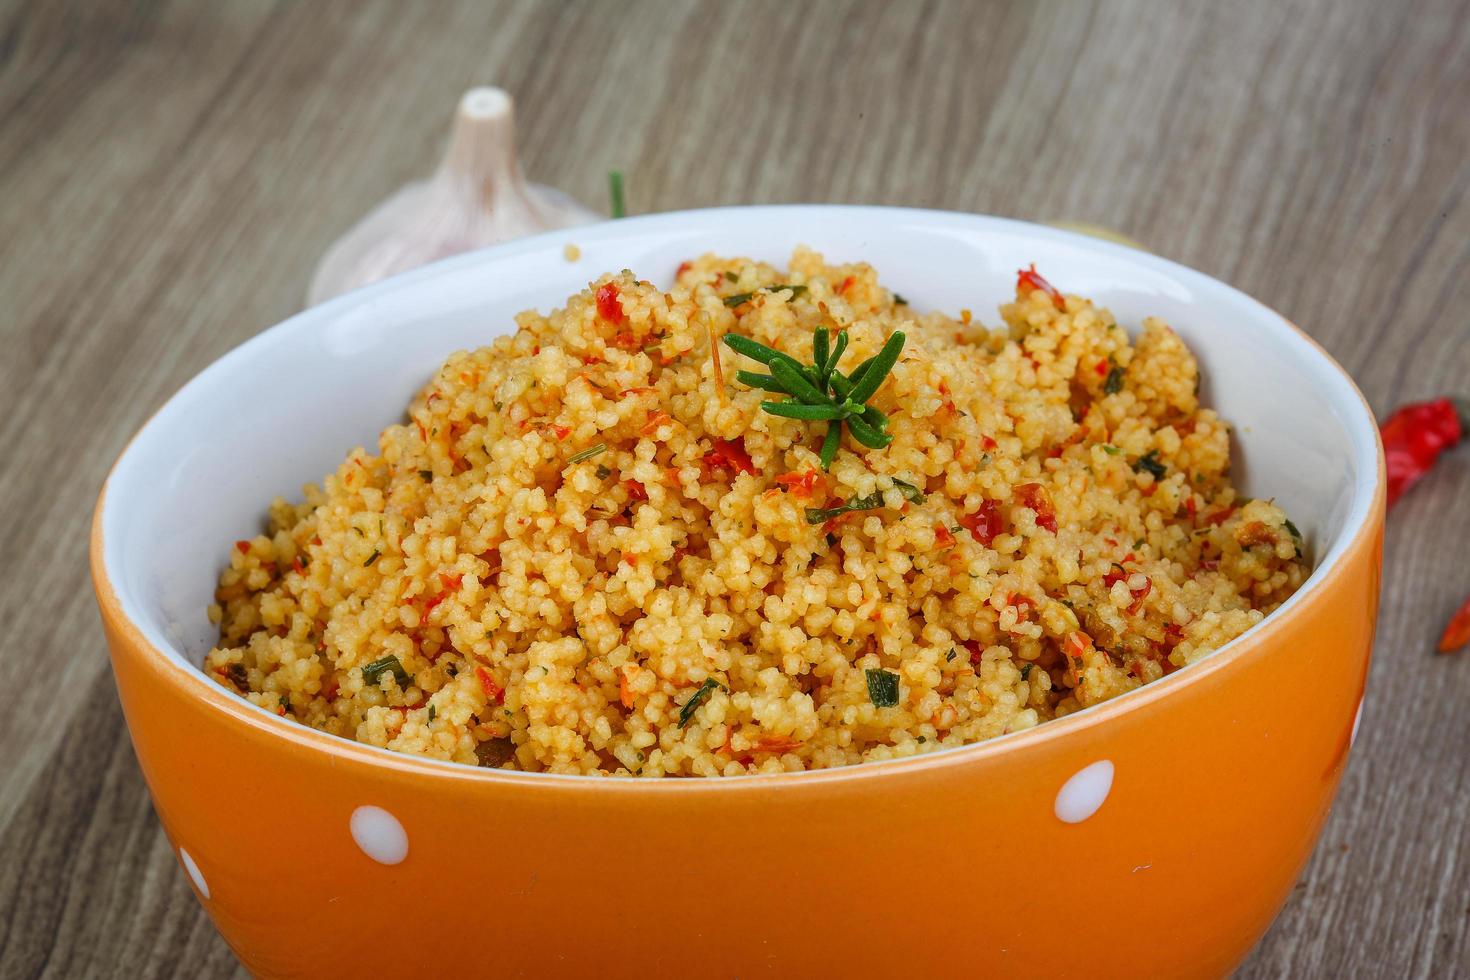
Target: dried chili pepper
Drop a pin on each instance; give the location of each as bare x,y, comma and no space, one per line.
1416,435
1457,633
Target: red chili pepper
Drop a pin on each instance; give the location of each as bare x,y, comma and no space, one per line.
1034,496
492,690
243,547
1457,633
729,454
985,523
1031,279
1415,436
608,306
987,442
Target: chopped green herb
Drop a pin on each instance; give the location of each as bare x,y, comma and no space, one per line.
603,472
1114,383
922,740
1026,670
1291,529
732,276
910,492
819,392
952,654
696,699
1150,463
375,556
587,453
371,672
899,300
821,515
426,475
1111,450
739,298
882,688
617,207
432,712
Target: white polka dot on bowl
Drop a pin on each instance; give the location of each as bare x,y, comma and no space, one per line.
379,834
1082,795
195,875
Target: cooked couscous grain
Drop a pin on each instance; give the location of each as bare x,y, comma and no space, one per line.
583,552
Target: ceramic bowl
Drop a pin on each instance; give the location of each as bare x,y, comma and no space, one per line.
1155,834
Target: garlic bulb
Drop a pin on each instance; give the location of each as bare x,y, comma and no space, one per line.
477,197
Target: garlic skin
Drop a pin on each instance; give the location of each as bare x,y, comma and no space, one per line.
477,197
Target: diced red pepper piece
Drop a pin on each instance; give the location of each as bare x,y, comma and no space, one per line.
493,691
985,523
1034,496
636,490
803,485
1030,279
608,306
243,547
729,454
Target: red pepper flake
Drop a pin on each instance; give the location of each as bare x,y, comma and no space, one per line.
431,603
243,547
1138,596
802,485
1190,507
635,391
846,285
729,454
493,691
636,490
1415,436
1102,368
625,341
943,537
1457,633
683,268
1030,279
985,523
451,582
1034,496
987,442
1219,517
655,420
1118,574
608,306
776,743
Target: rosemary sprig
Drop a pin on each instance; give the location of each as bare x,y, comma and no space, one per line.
819,392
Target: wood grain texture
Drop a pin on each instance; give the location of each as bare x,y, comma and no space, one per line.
169,173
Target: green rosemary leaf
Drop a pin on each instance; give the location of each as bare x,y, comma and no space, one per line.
587,453
830,444
762,381
798,385
617,206
910,492
877,371
866,434
798,410
821,515
820,349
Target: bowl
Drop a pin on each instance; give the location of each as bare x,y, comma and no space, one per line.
1154,834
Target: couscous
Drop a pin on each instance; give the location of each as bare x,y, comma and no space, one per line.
610,543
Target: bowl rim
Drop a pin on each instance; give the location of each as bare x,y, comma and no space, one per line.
1357,535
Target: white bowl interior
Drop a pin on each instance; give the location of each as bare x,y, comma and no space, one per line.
283,409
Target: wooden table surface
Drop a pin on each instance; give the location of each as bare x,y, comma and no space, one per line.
170,172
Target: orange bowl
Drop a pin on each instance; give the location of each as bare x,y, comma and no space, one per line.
1154,834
